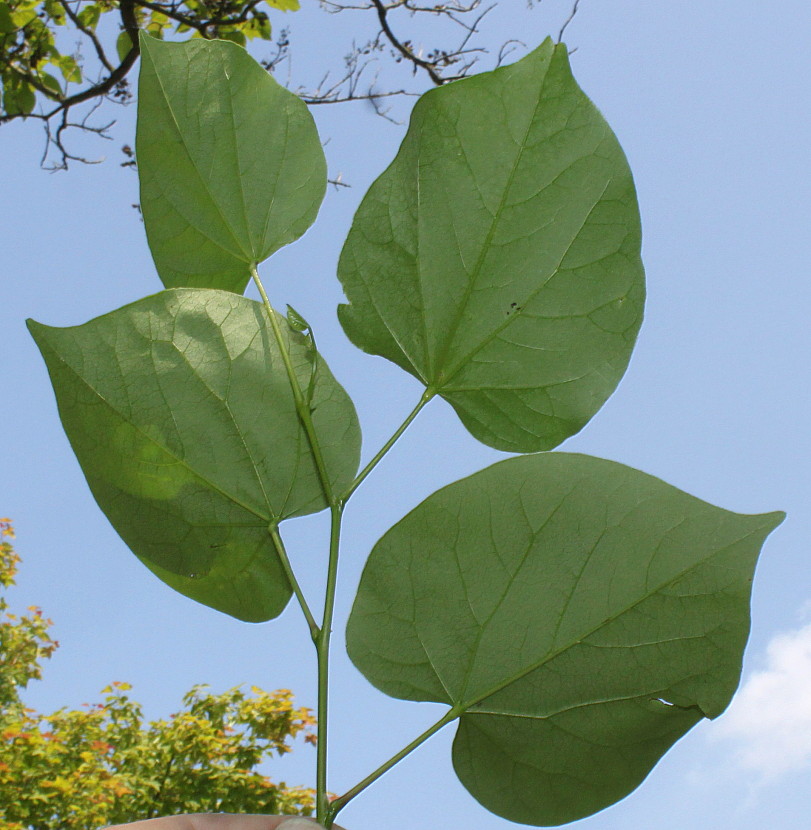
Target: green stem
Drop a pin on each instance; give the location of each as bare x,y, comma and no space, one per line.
336,806
302,405
426,396
315,631
325,811
322,637
322,644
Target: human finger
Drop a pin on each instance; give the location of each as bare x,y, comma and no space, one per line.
222,821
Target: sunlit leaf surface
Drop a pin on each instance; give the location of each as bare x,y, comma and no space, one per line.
180,412
497,258
579,615
230,163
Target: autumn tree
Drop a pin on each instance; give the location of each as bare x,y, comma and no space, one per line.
105,764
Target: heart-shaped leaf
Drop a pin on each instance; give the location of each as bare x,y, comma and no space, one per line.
230,163
497,258
180,412
578,615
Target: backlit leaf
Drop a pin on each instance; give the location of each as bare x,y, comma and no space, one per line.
71,71
230,163
180,412
580,616
50,82
497,258
6,23
26,98
123,45
89,16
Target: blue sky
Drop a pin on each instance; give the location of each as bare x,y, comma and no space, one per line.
712,103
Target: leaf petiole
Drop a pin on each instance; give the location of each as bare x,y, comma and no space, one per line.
361,476
339,803
315,631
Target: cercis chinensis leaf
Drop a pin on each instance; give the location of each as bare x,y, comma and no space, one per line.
579,617
230,162
181,415
497,258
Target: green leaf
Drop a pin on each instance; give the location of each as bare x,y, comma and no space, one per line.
284,5
123,45
233,35
159,20
89,16
230,163
9,101
155,30
24,14
180,412
56,11
580,616
71,71
6,23
295,320
50,82
258,26
25,97
497,258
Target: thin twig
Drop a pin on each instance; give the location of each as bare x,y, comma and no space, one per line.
568,20
382,16
89,33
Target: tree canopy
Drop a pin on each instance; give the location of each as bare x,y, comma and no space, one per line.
104,763
61,60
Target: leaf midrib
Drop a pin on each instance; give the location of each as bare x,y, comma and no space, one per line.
181,461
238,171
519,675
200,176
462,362
441,357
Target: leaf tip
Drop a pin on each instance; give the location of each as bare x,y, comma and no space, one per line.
35,328
775,518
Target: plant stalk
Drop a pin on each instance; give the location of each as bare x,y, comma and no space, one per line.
321,635
302,405
326,812
322,644
339,803
315,631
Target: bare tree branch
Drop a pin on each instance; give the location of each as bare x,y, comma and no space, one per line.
56,137
430,68
360,79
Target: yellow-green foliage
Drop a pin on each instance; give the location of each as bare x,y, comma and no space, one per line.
34,35
104,764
